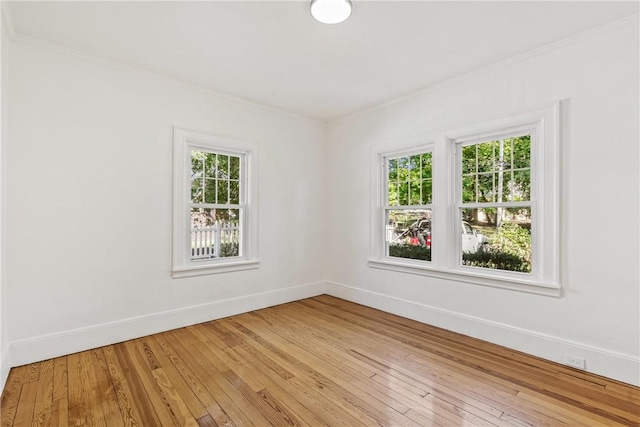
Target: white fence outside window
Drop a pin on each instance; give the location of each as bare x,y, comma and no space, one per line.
206,241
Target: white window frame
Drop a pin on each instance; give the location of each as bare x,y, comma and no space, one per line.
184,141
445,259
426,148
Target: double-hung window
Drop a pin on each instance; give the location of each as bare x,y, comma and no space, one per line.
482,199
494,202
214,211
408,197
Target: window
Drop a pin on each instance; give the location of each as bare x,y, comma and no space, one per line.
216,208
214,215
477,205
494,182
407,211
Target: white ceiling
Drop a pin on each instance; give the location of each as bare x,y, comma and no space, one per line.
274,53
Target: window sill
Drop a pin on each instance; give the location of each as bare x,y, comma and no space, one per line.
471,277
203,270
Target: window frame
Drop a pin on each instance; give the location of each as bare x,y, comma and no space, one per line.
445,261
534,130
184,142
427,148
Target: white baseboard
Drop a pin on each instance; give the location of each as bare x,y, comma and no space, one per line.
611,364
5,366
46,347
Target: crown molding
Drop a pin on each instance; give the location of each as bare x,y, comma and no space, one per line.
165,78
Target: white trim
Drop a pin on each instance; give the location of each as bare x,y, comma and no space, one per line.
478,277
601,361
67,342
5,365
226,267
183,142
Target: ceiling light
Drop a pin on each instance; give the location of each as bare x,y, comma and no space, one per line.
331,11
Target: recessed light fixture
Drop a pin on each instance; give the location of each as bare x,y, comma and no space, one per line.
331,11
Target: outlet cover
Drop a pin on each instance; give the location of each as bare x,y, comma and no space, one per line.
574,361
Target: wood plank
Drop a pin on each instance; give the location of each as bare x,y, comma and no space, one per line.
146,412
194,405
11,396
44,397
26,405
229,400
78,389
123,394
60,396
159,398
181,414
195,382
241,378
105,395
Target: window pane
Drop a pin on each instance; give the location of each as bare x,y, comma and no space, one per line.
426,192
486,156
497,238
210,165
485,189
414,193
469,189
408,234
222,166
403,169
403,198
223,191
197,164
197,191
507,187
393,169
521,190
414,168
469,159
521,151
215,233
234,192
394,194
209,191
234,167
427,165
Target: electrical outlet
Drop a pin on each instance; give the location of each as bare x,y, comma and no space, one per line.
574,361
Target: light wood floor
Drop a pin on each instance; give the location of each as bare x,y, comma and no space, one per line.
320,361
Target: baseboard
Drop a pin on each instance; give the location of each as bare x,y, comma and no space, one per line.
5,366
610,364
45,347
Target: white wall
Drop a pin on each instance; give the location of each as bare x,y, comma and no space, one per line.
598,315
89,204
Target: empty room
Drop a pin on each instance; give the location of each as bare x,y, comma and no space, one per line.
320,212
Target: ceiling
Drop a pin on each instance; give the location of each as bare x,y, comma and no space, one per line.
274,53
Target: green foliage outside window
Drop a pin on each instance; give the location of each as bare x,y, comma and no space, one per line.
497,171
410,180
215,178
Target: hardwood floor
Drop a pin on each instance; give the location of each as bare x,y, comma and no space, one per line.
320,361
